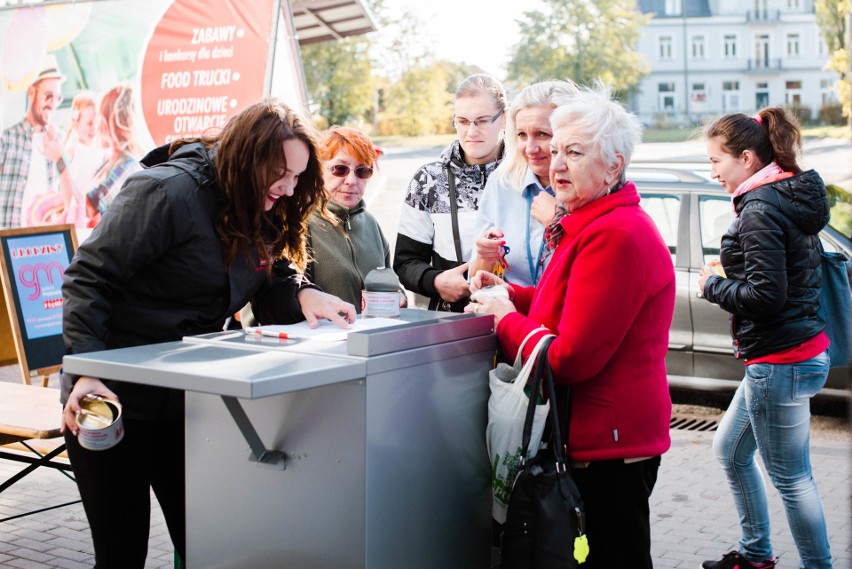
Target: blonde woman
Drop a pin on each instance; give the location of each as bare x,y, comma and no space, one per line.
518,203
84,154
117,129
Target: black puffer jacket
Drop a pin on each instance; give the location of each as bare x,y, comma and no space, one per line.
153,271
425,244
771,256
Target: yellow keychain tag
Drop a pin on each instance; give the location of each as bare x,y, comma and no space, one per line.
581,548
498,270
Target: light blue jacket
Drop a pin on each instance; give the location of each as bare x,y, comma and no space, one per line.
506,207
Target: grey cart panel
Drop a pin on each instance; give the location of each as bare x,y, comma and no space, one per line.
379,460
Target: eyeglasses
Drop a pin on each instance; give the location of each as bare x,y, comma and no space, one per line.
479,123
342,170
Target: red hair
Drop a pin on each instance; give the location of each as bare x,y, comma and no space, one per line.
348,140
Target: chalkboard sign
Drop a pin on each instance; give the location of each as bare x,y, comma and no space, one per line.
33,261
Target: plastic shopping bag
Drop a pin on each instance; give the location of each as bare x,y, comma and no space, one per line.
507,408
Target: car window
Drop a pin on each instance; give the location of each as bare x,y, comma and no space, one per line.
664,209
714,218
829,246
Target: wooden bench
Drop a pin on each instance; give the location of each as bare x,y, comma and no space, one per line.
30,418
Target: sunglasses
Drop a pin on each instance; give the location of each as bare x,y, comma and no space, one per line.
341,171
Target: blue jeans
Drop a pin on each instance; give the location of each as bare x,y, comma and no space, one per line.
770,413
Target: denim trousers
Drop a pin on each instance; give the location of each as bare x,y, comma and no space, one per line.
770,413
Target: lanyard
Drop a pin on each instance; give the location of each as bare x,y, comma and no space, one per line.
535,266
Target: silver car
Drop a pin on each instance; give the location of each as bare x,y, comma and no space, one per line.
692,213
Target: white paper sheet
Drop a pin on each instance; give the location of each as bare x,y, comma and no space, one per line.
326,330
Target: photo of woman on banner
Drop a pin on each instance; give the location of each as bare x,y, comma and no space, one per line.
84,153
116,126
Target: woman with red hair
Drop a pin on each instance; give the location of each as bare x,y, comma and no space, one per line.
349,243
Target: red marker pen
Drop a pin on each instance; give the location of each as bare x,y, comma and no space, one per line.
269,333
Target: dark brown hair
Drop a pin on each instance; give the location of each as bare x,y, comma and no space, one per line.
249,156
772,134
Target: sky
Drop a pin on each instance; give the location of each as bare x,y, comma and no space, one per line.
478,32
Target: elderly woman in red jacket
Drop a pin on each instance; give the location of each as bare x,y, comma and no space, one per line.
608,294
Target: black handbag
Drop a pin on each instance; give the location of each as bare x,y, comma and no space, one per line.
545,523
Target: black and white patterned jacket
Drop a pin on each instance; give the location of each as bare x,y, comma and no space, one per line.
425,245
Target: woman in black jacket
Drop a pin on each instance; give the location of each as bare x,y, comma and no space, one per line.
769,281
209,225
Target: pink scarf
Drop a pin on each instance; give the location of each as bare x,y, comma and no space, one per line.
772,172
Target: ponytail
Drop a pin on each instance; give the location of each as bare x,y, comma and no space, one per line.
772,134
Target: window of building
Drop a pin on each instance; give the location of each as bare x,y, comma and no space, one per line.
794,4
698,97
666,94
825,87
793,49
793,94
673,8
761,51
697,47
665,47
730,45
761,95
730,96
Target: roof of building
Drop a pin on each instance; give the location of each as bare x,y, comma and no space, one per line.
323,20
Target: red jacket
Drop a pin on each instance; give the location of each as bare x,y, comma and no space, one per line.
608,294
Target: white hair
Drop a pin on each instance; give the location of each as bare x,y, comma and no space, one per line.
553,93
604,121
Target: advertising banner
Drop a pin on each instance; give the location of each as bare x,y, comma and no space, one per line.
87,88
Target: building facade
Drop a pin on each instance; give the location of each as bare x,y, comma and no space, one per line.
710,57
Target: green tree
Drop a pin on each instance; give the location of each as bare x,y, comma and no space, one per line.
832,18
419,102
583,40
339,79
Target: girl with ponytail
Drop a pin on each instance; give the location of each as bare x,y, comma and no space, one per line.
770,258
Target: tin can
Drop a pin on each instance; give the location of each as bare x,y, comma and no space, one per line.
381,295
99,422
380,304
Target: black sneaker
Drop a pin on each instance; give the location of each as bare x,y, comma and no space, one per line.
733,560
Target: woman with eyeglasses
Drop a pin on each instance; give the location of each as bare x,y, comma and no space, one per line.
348,244
436,226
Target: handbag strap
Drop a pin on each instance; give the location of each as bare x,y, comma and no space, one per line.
543,374
519,356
